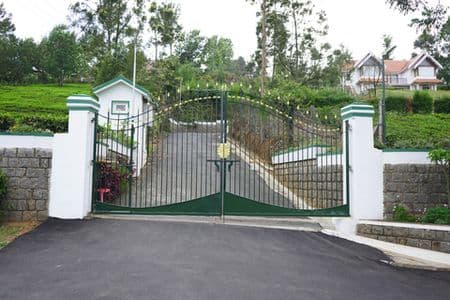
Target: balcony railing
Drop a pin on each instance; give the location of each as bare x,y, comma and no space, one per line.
396,81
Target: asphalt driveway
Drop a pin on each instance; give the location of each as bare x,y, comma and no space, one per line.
112,259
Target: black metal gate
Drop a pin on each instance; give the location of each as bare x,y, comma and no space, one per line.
218,154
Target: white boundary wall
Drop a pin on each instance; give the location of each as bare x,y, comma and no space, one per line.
72,163
405,157
26,141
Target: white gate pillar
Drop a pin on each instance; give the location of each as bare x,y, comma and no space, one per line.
71,175
365,176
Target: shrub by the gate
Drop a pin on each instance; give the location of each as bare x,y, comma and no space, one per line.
112,177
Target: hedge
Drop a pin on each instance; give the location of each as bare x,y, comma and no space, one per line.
442,105
40,122
396,103
422,102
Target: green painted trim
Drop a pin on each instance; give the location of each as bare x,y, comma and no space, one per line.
238,206
406,150
120,101
40,134
233,205
121,78
83,108
355,107
357,114
87,102
204,206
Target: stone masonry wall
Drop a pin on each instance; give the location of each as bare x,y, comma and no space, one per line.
438,240
413,186
28,173
321,187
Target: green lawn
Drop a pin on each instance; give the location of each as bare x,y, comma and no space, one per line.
38,98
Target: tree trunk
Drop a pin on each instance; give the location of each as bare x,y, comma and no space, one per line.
296,40
263,46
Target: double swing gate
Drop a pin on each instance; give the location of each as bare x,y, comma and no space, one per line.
218,154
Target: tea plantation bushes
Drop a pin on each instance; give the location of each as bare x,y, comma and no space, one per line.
36,108
417,130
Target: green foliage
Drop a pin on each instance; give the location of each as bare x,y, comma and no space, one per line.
417,130
396,103
422,102
442,105
437,215
401,214
62,53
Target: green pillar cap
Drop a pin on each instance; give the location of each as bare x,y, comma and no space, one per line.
81,102
357,110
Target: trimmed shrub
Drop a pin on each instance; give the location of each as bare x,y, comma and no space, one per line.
437,215
442,105
396,103
402,215
422,102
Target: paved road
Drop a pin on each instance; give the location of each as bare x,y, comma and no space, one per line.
180,171
111,259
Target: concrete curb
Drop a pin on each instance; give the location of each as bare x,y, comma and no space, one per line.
402,256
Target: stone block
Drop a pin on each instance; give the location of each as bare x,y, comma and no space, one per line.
40,194
29,215
388,230
25,152
10,152
19,194
43,153
383,238
44,163
377,230
412,242
364,229
42,215
31,172
391,239
400,232
429,234
13,162
28,162
444,247
410,197
401,240
416,233
41,205
424,244
20,204
3,162
435,245
31,205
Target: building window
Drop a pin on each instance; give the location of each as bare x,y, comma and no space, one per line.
120,107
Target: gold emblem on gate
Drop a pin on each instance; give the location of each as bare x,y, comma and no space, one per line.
223,150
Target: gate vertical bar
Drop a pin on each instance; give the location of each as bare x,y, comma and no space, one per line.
130,167
94,165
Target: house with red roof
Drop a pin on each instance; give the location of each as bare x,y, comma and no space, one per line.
418,73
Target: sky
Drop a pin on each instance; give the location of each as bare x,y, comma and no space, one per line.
357,24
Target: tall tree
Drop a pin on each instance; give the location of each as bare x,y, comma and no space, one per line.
7,28
165,25
217,56
264,9
388,46
190,47
62,53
